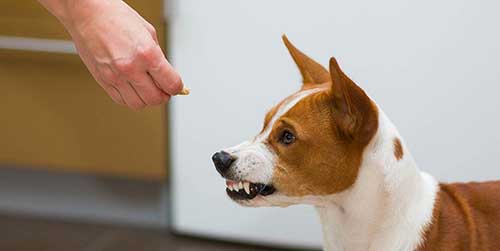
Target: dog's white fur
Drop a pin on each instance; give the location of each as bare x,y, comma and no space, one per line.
255,161
387,208
389,205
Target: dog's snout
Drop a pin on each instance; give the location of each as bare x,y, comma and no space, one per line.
222,161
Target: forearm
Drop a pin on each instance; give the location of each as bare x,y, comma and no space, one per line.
67,11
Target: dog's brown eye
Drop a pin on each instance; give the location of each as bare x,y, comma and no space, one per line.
287,138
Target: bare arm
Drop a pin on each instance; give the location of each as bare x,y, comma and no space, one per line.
120,49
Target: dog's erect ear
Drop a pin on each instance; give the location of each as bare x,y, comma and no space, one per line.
311,71
354,112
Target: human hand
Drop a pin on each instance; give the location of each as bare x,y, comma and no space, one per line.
121,51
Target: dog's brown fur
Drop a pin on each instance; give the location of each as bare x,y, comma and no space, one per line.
345,117
398,149
332,128
466,217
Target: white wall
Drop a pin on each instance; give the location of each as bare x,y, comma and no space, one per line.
433,66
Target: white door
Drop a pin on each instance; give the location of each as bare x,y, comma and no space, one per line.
433,66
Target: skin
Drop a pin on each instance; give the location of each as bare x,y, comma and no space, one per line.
120,49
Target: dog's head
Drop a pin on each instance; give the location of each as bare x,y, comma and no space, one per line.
311,143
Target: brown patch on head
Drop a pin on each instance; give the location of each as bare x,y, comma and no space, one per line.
398,149
331,129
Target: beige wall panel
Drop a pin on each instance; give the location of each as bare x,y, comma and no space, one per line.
29,19
54,115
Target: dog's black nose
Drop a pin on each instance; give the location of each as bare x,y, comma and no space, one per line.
222,161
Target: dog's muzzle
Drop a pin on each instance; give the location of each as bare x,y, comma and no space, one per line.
238,189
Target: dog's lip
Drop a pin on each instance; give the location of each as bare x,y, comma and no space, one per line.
245,190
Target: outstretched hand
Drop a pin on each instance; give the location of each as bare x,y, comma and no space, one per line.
121,51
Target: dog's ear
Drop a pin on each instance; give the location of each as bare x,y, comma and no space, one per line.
354,113
311,71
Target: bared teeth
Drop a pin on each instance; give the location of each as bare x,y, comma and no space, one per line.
246,186
248,190
244,190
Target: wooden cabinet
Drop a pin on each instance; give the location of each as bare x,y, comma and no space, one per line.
53,115
30,19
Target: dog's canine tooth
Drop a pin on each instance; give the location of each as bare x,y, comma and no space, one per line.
246,185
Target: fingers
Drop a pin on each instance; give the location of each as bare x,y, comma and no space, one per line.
135,85
110,89
145,80
164,74
130,95
114,94
147,90
119,89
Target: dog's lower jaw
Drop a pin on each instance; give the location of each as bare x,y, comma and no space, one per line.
389,206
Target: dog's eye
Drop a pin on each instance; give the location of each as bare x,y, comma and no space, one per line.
287,138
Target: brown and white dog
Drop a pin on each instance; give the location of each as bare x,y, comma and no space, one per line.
329,145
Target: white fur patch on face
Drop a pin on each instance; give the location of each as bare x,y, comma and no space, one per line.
254,159
254,162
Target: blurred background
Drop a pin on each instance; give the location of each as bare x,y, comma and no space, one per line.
78,172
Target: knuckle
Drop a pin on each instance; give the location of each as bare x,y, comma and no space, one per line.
123,66
155,65
146,52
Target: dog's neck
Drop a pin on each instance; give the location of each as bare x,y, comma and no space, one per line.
389,205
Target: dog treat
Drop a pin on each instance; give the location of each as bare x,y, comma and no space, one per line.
184,91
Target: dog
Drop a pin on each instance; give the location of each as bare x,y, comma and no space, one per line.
330,145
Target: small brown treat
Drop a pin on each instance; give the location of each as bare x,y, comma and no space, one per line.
184,91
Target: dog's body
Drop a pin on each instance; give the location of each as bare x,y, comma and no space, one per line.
466,217
329,145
